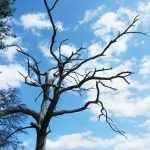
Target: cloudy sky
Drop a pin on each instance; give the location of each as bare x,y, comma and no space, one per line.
92,24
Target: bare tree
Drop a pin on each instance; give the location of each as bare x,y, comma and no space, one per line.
64,69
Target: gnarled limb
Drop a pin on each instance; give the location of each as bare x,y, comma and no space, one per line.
20,109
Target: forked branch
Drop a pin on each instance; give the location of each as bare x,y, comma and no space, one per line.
103,111
58,113
126,31
49,10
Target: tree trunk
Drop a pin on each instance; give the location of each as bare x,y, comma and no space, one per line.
41,141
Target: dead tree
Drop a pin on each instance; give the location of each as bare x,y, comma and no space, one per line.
52,87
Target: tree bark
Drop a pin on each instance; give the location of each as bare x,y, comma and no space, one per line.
41,140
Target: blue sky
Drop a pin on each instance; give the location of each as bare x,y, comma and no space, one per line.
92,24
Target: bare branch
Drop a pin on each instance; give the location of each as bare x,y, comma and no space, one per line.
65,68
53,26
126,31
122,75
107,86
61,112
38,96
109,120
60,48
31,83
34,67
20,109
20,129
58,113
103,112
54,5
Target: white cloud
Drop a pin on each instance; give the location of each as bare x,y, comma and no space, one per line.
90,14
139,43
65,49
112,17
102,27
44,48
64,142
141,86
126,14
10,75
11,51
144,8
145,66
60,27
118,22
87,140
78,140
95,49
145,124
123,104
120,46
35,20
38,21
24,144
134,143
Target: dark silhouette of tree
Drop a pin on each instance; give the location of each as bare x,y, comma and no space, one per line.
11,122
64,69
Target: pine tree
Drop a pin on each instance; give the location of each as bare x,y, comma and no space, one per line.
6,11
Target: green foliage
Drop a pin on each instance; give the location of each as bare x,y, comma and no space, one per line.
6,11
